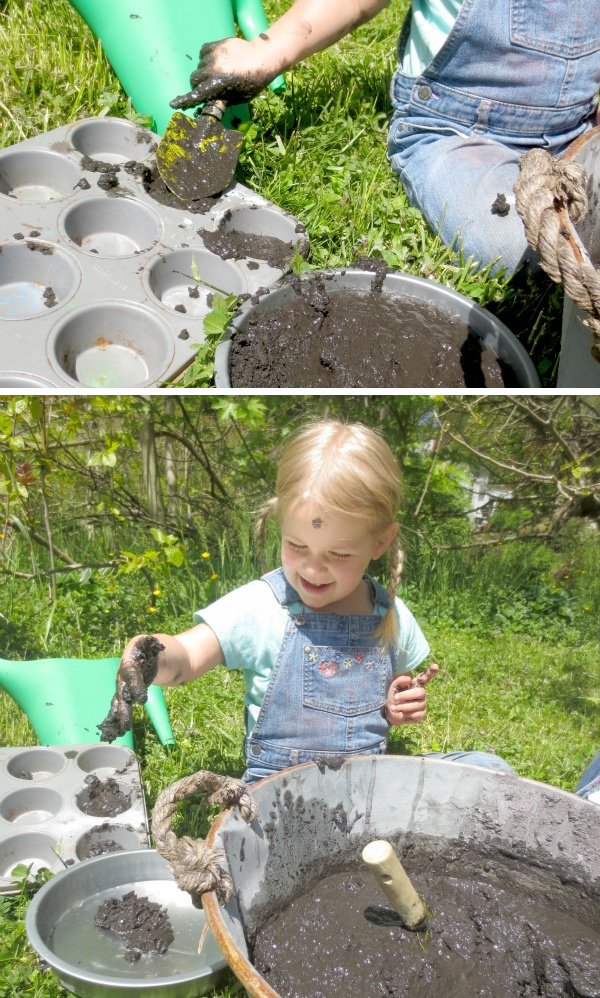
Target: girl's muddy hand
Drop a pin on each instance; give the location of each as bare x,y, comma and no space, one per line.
137,668
406,701
426,676
226,71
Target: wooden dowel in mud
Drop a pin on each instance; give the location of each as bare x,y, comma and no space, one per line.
395,883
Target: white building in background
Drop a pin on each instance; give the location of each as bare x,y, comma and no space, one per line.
484,499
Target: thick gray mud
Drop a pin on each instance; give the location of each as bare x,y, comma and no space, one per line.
487,937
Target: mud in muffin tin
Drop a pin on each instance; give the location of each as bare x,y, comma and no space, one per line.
46,794
106,277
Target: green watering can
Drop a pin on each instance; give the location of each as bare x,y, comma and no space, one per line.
153,45
66,699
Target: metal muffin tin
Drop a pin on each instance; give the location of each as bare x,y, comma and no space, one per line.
104,284
41,820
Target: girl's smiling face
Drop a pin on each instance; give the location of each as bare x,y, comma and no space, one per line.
325,555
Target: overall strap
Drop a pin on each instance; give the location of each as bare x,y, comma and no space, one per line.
285,594
379,595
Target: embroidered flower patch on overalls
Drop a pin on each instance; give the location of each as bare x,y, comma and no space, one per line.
344,680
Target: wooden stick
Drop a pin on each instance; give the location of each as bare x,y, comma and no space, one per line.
393,879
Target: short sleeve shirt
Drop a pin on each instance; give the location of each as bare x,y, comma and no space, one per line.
250,623
432,22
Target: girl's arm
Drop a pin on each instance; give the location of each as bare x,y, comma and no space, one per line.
164,659
236,70
185,656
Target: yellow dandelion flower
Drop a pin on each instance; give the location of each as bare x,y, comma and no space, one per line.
151,609
213,577
205,554
156,592
587,608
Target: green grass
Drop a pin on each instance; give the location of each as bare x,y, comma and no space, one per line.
533,701
317,150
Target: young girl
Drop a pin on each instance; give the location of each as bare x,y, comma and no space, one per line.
324,647
478,83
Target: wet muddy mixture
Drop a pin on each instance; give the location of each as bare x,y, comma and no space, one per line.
136,674
100,848
487,937
102,798
232,245
156,188
143,925
324,338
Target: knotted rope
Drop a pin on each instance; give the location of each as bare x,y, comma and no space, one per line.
197,868
550,197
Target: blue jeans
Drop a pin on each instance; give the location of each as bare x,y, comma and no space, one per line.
486,760
327,689
508,78
591,773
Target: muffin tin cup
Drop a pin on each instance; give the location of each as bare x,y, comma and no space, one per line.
36,176
104,285
42,822
35,277
111,345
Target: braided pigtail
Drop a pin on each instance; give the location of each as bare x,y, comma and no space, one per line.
388,629
260,528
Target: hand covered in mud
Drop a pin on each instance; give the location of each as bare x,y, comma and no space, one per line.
406,701
227,71
137,668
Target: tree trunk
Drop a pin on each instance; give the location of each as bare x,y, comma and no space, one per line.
150,470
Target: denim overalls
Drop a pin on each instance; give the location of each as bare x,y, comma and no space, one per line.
327,689
511,75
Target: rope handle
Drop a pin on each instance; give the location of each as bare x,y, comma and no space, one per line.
197,868
550,198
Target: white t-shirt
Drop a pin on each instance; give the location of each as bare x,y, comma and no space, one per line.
432,21
250,624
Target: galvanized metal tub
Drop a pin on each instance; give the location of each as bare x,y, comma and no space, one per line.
313,819
577,367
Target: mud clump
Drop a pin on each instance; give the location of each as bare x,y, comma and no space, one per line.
133,679
156,188
486,937
345,338
100,848
49,297
102,798
144,926
98,165
500,206
233,245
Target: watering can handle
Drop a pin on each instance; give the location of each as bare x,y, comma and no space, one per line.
251,17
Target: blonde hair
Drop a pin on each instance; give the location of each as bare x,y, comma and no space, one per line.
347,468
